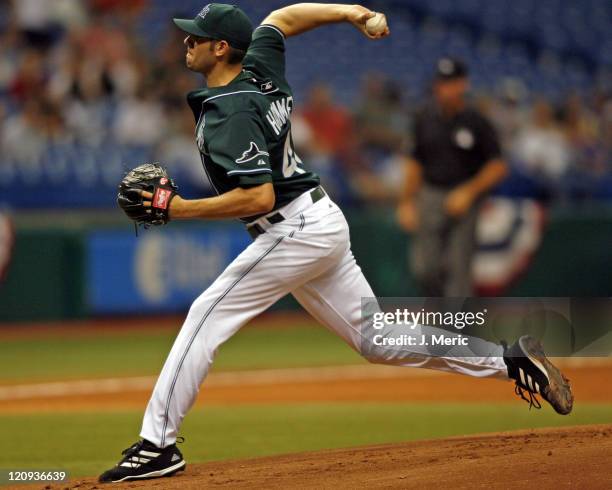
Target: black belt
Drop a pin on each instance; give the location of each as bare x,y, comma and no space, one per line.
316,195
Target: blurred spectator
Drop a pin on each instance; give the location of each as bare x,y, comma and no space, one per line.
603,155
507,111
140,119
2,122
79,76
330,124
119,7
108,51
29,80
581,129
541,147
27,135
381,122
322,131
382,130
8,57
36,21
70,14
41,22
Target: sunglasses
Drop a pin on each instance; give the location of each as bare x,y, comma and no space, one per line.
192,41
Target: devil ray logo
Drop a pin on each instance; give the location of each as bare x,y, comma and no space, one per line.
204,11
252,153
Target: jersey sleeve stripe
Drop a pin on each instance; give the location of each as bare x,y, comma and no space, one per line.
233,93
255,170
240,92
273,28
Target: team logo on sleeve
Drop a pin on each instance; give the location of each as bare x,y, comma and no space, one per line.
251,154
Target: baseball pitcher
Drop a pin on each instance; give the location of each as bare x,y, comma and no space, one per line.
300,237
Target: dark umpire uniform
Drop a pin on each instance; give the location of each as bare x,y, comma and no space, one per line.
456,160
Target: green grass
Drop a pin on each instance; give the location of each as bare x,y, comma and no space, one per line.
87,443
142,353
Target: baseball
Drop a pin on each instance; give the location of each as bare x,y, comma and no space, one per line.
376,25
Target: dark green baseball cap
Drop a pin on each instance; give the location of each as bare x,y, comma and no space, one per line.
220,21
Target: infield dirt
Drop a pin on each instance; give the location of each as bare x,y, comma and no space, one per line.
571,457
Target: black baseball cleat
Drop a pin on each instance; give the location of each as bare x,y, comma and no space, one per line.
534,373
144,460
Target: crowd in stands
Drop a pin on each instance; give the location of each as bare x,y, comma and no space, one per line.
75,80
562,149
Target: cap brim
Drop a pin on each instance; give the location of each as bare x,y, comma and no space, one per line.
190,27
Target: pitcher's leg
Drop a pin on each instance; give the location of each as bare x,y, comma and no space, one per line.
334,299
239,294
280,260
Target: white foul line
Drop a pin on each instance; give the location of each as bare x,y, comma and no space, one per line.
237,378
255,377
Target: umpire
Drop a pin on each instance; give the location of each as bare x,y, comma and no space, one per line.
455,162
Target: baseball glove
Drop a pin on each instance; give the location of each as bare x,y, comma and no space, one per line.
153,178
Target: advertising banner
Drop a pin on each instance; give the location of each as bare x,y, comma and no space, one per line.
160,270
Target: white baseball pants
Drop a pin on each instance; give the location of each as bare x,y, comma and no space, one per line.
309,256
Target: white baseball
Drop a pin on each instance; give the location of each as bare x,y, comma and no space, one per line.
376,25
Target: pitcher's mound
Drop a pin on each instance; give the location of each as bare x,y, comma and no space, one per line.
577,457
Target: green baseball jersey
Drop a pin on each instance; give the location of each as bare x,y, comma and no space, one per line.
243,129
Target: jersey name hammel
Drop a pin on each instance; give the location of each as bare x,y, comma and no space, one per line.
279,113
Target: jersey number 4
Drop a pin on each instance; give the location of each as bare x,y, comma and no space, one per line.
290,158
